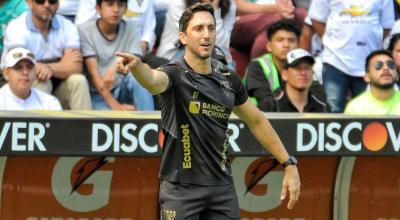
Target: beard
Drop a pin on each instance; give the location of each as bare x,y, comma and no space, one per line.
382,86
44,18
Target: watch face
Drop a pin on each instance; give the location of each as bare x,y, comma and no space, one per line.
293,160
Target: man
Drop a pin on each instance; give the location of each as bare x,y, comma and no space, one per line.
225,14
382,98
100,38
197,96
350,30
298,76
263,79
18,94
54,41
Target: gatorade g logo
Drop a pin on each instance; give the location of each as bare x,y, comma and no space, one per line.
265,195
62,186
194,107
332,136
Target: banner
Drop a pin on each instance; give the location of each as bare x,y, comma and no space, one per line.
139,134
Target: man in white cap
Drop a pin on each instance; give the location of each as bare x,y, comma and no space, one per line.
18,94
298,75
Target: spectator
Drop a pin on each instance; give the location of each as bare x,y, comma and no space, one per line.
18,93
298,77
68,8
225,15
254,17
55,42
350,31
263,79
99,40
140,11
382,98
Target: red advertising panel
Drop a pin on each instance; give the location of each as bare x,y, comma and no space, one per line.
42,188
72,188
262,202
375,189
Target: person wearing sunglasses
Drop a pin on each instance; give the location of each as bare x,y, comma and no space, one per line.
54,40
18,93
350,30
382,98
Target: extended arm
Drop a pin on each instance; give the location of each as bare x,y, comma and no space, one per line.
266,135
153,80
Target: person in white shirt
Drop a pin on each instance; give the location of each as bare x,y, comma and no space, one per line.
18,93
54,40
350,30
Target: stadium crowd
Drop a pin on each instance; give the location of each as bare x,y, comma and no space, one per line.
73,44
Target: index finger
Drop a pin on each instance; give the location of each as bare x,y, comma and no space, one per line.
123,55
293,197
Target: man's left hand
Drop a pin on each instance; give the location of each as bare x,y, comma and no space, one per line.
291,184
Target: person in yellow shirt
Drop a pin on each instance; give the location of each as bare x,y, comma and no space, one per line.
382,98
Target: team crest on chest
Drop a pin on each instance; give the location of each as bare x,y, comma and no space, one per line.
226,88
168,214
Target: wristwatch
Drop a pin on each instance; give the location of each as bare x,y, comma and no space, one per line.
291,161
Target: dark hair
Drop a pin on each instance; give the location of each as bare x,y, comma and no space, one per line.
283,24
188,14
98,2
376,53
223,4
393,41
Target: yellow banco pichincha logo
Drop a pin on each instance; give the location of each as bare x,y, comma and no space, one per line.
355,11
194,107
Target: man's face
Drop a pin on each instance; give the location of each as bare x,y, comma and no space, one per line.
281,43
199,37
381,72
21,76
112,11
299,77
44,10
